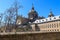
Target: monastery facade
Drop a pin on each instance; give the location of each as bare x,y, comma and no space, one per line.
35,23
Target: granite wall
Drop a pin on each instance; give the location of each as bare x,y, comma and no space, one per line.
33,36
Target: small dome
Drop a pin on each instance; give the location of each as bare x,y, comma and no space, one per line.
51,14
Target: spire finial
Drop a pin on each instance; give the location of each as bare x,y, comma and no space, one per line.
32,6
50,11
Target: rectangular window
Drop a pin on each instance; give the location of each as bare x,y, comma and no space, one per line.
46,19
52,25
50,18
57,25
57,29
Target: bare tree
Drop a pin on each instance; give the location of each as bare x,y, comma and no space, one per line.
1,17
10,15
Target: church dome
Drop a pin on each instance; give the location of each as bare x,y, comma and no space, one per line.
32,13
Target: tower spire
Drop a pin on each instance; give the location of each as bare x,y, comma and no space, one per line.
32,6
51,13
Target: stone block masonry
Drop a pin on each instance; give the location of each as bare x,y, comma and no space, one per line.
32,36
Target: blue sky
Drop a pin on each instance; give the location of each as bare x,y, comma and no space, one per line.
41,6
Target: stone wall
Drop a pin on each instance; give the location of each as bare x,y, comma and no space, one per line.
34,36
47,26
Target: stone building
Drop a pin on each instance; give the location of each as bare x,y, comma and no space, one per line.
35,23
50,24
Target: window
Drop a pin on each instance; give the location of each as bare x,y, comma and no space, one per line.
42,20
57,29
52,26
46,19
54,18
50,18
48,26
57,25
50,30
47,30
39,21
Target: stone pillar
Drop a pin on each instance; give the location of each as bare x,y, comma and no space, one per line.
37,27
33,27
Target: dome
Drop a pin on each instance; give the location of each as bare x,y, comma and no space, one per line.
32,13
32,10
51,14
